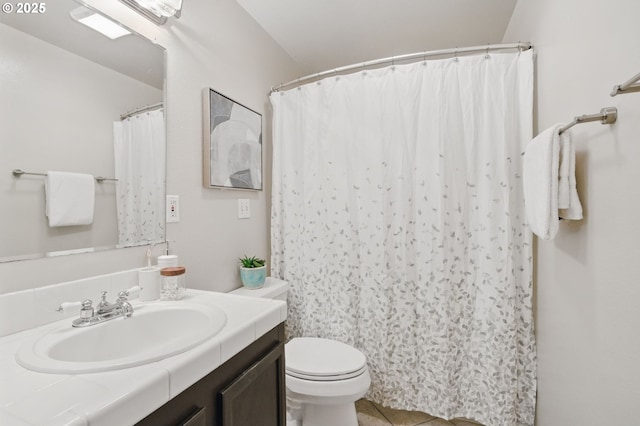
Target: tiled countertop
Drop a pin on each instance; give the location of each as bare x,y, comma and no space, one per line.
123,397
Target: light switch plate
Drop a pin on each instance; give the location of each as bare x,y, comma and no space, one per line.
244,208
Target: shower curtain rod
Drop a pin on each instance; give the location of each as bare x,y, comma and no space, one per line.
147,108
392,59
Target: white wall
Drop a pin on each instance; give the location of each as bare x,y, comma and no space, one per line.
57,114
214,44
588,287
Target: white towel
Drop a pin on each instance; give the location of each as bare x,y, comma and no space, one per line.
70,198
569,204
540,182
564,170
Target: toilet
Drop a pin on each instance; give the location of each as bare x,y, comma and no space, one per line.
324,377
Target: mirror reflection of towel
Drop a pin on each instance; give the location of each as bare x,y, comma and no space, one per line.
70,198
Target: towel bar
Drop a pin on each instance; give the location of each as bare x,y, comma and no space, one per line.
607,115
18,172
631,85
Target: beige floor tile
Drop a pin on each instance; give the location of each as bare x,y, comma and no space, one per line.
464,422
436,422
372,414
403,417
368,414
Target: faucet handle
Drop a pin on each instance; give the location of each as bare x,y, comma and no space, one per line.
87,309
122,296
68,307
103,300
133,292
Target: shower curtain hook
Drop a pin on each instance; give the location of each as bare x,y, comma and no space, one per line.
486,56
455,54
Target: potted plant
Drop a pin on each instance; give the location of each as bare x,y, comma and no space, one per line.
253,272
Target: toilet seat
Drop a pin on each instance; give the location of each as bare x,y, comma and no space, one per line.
318,359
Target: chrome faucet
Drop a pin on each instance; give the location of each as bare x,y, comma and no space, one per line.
104,311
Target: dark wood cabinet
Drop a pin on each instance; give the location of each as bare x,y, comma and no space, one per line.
247,390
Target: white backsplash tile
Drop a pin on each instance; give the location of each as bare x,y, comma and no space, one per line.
17,311
124,280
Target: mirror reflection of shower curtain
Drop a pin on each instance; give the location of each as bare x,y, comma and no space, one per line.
140,160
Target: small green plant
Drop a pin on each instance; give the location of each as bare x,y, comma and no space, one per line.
251,262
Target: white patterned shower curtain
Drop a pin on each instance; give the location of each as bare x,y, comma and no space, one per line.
140,163
398,220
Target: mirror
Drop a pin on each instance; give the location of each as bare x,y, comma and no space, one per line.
65,92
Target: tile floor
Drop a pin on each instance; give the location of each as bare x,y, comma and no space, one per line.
372,414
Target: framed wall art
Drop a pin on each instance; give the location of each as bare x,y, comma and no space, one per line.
232,144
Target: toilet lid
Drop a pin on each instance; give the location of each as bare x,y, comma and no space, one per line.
322,359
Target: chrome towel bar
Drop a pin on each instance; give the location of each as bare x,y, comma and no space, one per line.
18,172
607,115
631,85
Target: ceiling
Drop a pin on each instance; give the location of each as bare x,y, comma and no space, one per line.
325,34
131,55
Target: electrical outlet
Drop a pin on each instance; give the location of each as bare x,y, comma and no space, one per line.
244,208
173,208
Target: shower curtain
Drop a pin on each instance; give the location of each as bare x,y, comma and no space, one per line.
397,218
140,161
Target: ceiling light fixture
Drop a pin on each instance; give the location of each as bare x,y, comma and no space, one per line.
97,22
156,10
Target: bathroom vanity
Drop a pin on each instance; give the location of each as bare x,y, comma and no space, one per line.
235,377
249,389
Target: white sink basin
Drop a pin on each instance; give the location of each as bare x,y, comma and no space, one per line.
154,332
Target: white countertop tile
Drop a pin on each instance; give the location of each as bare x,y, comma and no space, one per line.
8,419
53,403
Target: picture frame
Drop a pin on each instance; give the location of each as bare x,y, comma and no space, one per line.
232,145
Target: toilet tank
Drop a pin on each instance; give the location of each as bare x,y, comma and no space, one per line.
273,288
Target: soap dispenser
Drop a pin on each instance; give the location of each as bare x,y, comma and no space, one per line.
167,260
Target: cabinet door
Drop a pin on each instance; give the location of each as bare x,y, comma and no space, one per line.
257,396
198,419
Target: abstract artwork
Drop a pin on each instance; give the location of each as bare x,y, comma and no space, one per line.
232,144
